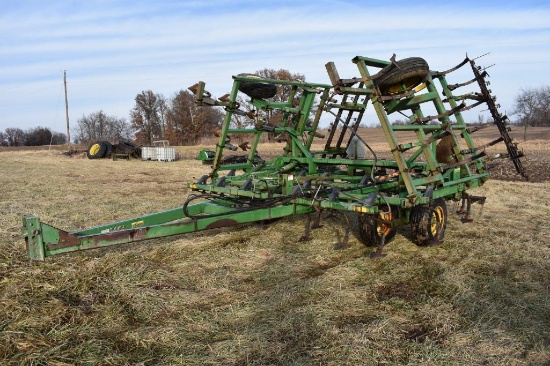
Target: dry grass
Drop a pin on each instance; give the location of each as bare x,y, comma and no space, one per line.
254,295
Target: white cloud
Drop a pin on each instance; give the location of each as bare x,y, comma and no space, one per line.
112,51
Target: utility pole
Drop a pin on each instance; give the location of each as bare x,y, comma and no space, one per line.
67,110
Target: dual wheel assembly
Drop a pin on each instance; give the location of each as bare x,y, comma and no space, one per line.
99,150
104,149
428,224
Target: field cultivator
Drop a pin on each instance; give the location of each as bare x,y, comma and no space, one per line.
373,196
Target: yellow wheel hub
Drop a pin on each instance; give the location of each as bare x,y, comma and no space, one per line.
407,84
437,220
382,228
94,149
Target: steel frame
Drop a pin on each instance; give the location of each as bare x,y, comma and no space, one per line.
302,180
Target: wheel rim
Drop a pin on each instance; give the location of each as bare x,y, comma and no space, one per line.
382,228
409,83
437,220
94,149
420,87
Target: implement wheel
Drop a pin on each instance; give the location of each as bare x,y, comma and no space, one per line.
98,150
410,72
368,229
428,223
257,90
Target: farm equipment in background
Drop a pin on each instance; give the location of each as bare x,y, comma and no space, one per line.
104,149
372,196
160,151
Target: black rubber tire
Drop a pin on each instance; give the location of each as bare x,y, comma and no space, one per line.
367,229
428,223
109,150
411,72
97,150
257,90
125,147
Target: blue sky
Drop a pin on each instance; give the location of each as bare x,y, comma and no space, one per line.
113,50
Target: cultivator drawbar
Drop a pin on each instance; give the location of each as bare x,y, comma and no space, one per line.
373,196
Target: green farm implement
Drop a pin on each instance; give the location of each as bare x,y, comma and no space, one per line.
433,159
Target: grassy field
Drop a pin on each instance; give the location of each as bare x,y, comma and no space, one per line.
254,295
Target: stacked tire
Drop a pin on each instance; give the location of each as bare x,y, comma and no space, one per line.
100,150
104,149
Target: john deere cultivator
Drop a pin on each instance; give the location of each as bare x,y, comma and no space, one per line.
373,196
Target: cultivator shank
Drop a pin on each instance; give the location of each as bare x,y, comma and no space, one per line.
373,196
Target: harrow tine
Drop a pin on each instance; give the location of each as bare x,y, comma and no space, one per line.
344,242
456,86
500,121
307,233
466,206
378,252
441,73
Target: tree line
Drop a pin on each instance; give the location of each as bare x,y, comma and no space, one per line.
177,119
182,122
153,117
37,136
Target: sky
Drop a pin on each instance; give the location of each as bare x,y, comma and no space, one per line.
113,50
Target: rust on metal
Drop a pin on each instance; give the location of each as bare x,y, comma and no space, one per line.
65,240
68,240
464,62
221,223
455,86
444,114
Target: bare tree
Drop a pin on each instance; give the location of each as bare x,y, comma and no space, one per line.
163,111
99,126
208,119
3,140
15,136
146,117
186,122
544,105
120,129
282,95
58,138
532,106
90,127
178,116
38,136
